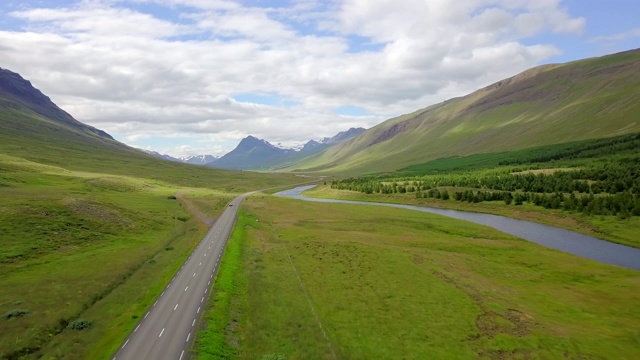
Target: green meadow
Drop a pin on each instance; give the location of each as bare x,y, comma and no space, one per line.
310,280
83,253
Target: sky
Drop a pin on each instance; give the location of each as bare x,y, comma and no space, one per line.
188,77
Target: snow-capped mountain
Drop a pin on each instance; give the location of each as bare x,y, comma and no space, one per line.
256,154
199,159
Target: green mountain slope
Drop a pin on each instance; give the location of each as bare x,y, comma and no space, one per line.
550,104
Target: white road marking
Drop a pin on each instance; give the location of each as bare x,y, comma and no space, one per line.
202,299
146,315
194,322
209,282
200,264
194,274
161,332
182,353
198,312
162,293
188,335
154,304
185,289
205,290
175,307
136,328
125,343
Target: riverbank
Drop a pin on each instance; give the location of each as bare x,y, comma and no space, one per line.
610,228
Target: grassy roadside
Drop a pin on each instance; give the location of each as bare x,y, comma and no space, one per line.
609,228
389,283
224,316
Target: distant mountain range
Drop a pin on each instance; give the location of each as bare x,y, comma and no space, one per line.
258,154
194,159
549,104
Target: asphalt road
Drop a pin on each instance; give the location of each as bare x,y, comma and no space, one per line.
167,330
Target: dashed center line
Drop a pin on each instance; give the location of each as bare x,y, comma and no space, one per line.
202,299
194,274
185,289
175,307
193,323
161,332
198,312
189,335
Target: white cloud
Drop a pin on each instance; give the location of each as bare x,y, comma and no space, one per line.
633,33
143,75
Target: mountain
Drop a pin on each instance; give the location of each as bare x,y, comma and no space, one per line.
193,160
342,136
17,92
257,154
198,159
162,156
549,104
251,154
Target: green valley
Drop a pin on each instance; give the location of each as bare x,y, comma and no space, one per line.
92,231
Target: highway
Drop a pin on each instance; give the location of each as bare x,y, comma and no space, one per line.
168,328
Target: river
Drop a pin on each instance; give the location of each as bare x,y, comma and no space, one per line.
556,238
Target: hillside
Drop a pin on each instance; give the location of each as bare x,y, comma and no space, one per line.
550,104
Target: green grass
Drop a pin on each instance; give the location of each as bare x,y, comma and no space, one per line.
223,329
392,283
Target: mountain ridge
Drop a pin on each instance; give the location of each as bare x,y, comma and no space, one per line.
14,87
548,104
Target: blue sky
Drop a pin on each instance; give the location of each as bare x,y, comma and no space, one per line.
188,77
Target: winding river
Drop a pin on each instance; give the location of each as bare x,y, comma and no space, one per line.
549,236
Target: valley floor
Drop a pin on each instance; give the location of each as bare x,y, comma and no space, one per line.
309,280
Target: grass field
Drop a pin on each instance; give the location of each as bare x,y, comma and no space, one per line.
95,246
349,281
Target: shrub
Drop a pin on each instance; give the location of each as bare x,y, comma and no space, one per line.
274,357
80,324
171,197
16,313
